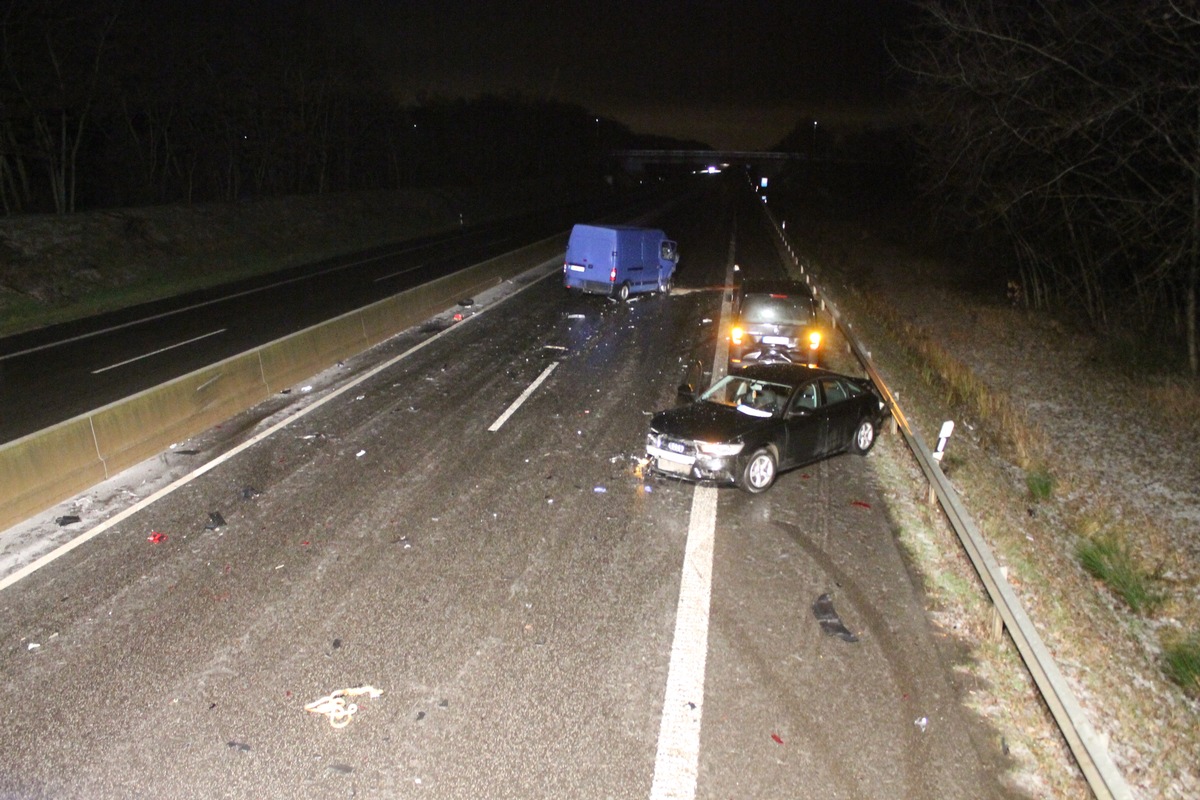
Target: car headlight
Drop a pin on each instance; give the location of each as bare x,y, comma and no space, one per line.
719,448
814,340
736,334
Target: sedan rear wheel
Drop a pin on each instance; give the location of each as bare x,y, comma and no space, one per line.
864,438
759,472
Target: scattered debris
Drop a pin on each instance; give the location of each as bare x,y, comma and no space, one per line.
215,520
599,490
360,454
575,316
860,504
32,646
188,452
249,493
466,302
335,707
344,769
66,519
241,747
775,737
156,538
306,388
922,723
831,623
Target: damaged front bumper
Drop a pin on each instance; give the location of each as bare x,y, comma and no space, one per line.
719,469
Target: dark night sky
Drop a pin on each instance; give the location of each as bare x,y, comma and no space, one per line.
734,74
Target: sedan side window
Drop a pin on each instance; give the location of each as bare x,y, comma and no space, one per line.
807,398
834,391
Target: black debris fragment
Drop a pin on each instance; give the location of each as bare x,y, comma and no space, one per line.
66,519
466,302
337,643
215,520
249,493
187,452
241,747
344,769
831,623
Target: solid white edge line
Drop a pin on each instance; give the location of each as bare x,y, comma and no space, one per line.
676,763
503,418
82,538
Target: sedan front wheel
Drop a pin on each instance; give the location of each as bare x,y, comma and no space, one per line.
759,472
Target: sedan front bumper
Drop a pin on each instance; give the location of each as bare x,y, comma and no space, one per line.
721,469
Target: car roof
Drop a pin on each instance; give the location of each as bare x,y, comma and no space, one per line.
774,286
783,373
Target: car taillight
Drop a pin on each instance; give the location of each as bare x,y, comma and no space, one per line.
814,340
736,334
612,275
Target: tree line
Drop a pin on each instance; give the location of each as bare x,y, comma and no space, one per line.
107,103
1068,134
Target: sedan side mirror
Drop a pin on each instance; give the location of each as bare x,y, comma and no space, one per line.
686,392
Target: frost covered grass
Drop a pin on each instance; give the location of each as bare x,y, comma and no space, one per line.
1181,660
1109,559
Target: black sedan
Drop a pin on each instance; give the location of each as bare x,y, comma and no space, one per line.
761,419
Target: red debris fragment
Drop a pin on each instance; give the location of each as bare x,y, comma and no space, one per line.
804,476
156,538
304,543
777,738
860,504
458,317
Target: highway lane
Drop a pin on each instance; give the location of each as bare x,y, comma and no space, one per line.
56,373
518,620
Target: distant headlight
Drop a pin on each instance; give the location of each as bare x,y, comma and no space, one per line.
719,448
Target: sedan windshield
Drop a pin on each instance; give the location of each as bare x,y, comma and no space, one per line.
755,397
777,310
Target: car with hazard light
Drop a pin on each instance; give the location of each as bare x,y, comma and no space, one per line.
775,321
763,419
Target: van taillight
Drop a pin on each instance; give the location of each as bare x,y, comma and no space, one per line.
612,275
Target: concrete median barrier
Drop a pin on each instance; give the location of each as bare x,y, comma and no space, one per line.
49,466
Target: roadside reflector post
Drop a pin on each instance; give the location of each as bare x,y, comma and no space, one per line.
939,451
943,438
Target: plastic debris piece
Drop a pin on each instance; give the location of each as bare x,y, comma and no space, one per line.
188,452
249,493
360,454
831,623
215,520
922,723
575,316
156,538
32,646
458,317
344,769
860,504
466,302
599,490
66,519
241,747
775,737
335,707
306,388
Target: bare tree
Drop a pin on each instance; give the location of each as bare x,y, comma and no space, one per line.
1074,128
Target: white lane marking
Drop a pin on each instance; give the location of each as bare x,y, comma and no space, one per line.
524,396
194,306
159,350
87,536
677,762
397,274
676,765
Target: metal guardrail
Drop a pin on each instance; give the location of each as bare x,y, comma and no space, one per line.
1088,748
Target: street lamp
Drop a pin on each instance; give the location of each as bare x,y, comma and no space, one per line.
814,143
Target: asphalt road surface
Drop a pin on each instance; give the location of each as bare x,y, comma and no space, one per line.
543,620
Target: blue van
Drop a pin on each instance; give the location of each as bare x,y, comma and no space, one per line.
619,260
